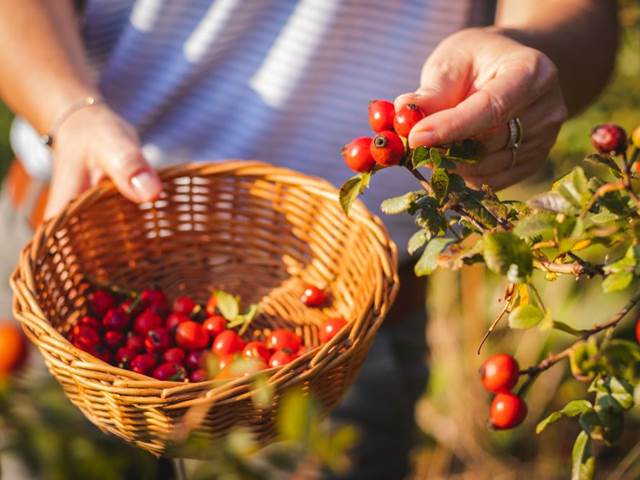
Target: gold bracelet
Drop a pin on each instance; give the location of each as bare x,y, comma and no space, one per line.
47,138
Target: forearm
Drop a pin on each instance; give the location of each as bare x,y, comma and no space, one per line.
580,36
45,69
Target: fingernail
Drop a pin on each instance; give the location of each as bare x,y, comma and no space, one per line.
146,185
428,139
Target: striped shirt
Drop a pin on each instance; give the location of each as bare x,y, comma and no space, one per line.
281,81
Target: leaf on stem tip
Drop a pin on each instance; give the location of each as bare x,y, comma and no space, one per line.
352,188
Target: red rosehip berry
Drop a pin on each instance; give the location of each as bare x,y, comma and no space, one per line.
194,360
257,350
381,115
406,118
638,330
156,301
90,322
157,340
212,303
85,338
13,348
169,372
147,320
101,301
499,373
280,358
227,342
174,319
124,355
283,339
135,342
101,352
132,306
115,319
387,149
143,363
314,296
215,325
357,155
113,338
199,375
184,305
330,328
174,355
609,138
507,410
226,360
192,336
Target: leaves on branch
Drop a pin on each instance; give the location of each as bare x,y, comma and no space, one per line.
417,241
583,461
440,183
571,409
429,260
507,254
525,316
574,187
352,188
553,202
401,204
467,151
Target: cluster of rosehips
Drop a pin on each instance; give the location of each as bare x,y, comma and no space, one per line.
499,374
388,147
184,340
13,348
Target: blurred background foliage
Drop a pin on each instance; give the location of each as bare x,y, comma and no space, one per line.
57,443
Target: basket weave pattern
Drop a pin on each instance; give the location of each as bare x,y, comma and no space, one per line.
252,229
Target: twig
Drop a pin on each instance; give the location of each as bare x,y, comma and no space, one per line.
423,181
493,326
576,268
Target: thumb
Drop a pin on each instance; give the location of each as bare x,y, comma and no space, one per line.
443,82
64,186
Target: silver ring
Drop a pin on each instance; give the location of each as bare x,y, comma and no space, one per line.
516,133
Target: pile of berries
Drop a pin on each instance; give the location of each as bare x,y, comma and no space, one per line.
499,374
388,147
184,340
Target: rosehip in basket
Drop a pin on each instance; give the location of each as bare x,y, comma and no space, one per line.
135,342
157,340
147,320
113,338
194,360
406,118
212,303
169,372
387,149
101,301
13,348
174,319
357,155
330,328
85,338
155,300
90,322
257,350
101,352
200,375
215,325
283,339
143,363
280,358
115,319
381,115
507,410
184,305
499,373
192,336
124,355
174,355
314,296
227,343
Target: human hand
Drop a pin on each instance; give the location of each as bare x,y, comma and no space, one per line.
95,143
474,82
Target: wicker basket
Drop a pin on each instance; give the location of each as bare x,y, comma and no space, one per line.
250,228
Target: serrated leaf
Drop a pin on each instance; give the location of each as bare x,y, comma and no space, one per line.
583,461
540,223
429,217
440,183
617,281
495,208
605,160
227,304
428,262
574,187
420,157
436,158
417,241
620,390
566,328
571,409
551,201
604,216
507,254
401,204
456,183
351,189
525,316
467,151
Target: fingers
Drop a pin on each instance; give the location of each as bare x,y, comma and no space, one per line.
64,186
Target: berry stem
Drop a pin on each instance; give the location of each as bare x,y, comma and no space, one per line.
423,181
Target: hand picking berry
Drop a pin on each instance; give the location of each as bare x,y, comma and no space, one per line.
406,118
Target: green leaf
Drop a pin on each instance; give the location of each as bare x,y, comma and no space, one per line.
620,390
429,217
243,321
574,187
420,156
506,254
604,216
565,328
298,418
617,281
352,188
436,158
571,409
440,183
525,316
401,204
227,304
605,160
467,151
428,261
541,223
551,201
417,241
583,461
